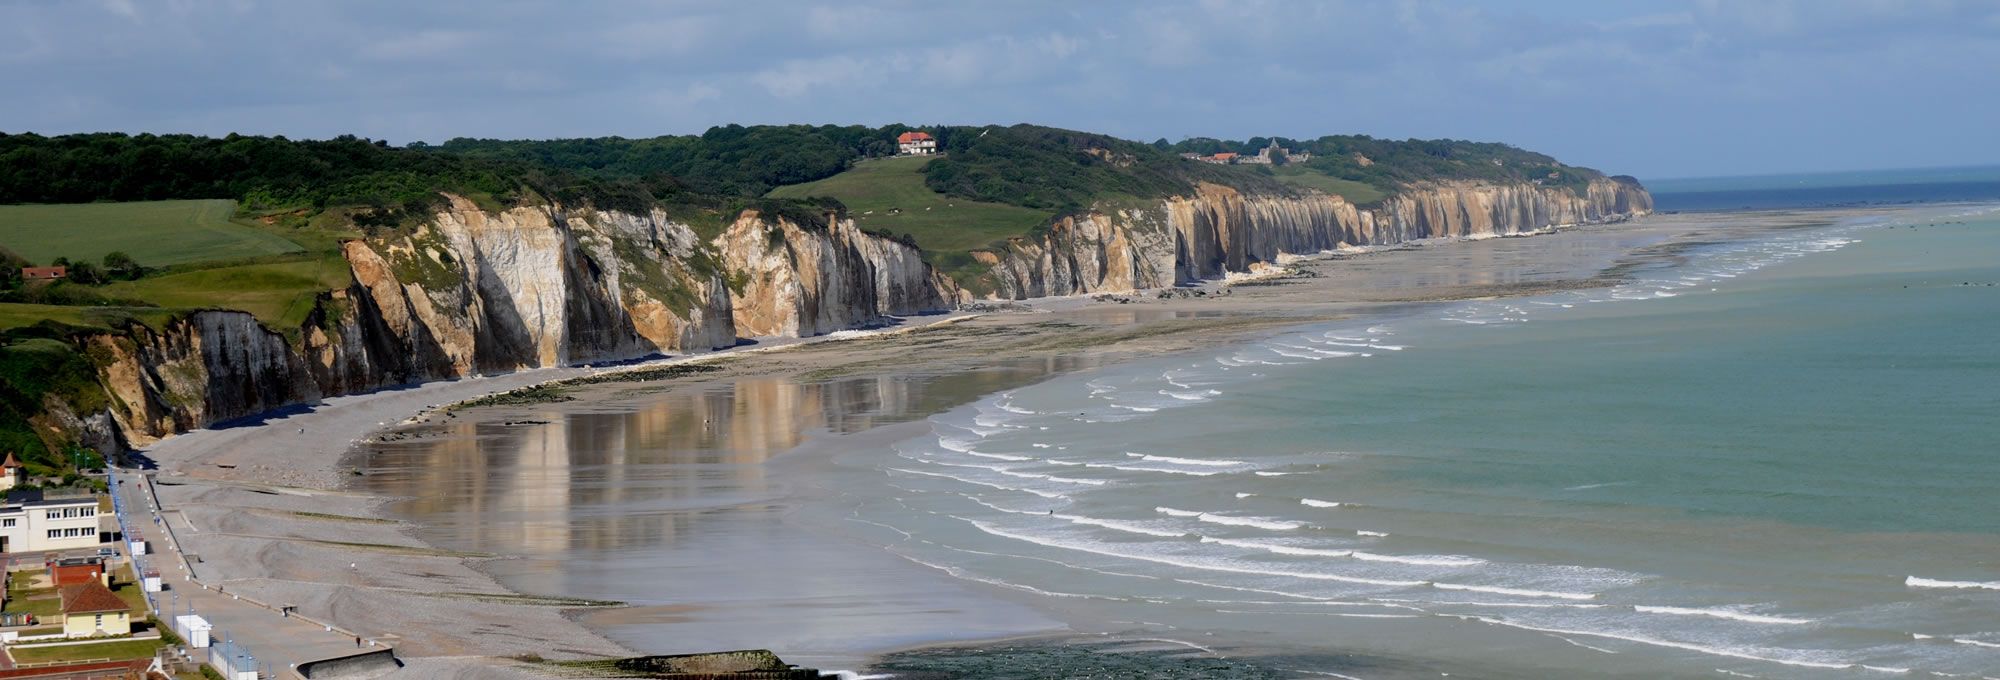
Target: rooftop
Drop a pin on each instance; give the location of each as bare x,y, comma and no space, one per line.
91,598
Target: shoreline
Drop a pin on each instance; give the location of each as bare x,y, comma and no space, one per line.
1100,325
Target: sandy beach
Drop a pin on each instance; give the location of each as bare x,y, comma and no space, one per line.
286,504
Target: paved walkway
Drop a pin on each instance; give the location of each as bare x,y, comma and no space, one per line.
271,640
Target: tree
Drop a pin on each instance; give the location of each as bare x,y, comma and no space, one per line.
85,272
121,265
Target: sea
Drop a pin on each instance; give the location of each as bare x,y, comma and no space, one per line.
1774,457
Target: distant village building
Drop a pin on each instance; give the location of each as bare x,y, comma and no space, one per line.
915,143
1268,156
43,273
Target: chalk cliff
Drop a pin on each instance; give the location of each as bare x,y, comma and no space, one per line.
474,291
1219,230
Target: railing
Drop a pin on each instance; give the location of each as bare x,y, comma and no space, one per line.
221,646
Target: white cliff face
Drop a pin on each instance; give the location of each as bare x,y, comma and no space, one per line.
806,280
1220,230
474,291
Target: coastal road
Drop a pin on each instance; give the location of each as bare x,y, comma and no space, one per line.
276,640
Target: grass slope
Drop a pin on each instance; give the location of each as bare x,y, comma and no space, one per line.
889,195
156,233
1358,193
278,293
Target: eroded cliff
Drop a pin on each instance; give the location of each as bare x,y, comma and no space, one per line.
1219,230
473,291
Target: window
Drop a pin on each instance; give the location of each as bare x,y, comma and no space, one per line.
54,514
100,621
90,512
55,533
7,522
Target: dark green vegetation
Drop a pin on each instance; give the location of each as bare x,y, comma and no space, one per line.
747,664
155,227
149,233
669,372
538,394
34,366
1097,659
1388,165
889,196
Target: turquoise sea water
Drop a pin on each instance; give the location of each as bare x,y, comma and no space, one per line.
1777,458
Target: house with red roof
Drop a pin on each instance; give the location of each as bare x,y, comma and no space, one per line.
90,609
43,273
914,143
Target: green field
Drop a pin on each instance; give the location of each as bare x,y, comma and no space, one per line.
889,195
156,233
16,314
1358,193
278,293
119,650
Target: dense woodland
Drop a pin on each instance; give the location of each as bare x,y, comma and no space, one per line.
1031,166
1389,164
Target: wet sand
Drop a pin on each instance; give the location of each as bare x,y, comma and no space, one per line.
678,494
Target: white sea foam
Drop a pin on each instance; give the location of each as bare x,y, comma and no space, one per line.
1232,520
1038,492
997,456
1203,395
1186,563
1262,473
1722,614
1141,409
1518,592
1241,494
1116,525
1423,560
1917,582
1370,345
1134,468
1185,461
1976,643
1717,651
1371,534
1278,549
1039,445
1309,502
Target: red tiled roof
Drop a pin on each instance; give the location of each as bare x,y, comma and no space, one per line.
75,574
91,598
44,272
1224,156
908,137
11,462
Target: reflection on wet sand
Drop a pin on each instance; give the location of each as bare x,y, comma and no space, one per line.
621,470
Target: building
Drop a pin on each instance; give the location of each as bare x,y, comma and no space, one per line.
915,143
34,520
12,473
43,273
76,571
92,610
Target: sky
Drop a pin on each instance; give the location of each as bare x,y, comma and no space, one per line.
1654,88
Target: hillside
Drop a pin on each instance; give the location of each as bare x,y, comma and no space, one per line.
888,196
280,272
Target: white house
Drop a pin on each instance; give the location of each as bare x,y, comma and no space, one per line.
915,143
35,521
